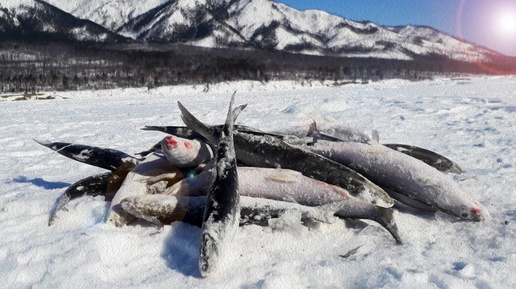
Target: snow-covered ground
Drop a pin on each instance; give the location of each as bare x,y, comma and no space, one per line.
472,121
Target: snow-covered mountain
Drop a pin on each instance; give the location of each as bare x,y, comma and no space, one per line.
109,13
265,24
39,21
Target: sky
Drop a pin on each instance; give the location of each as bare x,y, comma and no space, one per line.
490,23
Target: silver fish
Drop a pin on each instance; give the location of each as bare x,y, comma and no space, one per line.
291,186
164,209
405,175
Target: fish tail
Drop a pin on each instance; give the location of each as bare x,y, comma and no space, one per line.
233,113
59,204
386,219
196,125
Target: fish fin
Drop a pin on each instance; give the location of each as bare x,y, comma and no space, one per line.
375,136
313,132
154,128
59,205
351,252
386,219
156,147
231,117
313,128
46,143
91,186
198,126
237,110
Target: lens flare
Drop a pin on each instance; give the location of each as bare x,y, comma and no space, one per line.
506,23
502,31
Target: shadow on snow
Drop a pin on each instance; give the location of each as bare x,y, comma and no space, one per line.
41,183
181,250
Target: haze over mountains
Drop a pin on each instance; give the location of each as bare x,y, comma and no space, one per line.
251,24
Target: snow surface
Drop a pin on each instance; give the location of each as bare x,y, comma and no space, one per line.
471,121
10,4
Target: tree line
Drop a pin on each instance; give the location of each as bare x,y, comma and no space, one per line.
60,66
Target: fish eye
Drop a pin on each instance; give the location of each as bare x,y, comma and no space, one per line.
465,215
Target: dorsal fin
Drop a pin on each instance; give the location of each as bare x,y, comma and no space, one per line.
312,129
313,132
232,114
375,136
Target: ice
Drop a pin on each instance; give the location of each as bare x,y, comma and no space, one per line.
472,121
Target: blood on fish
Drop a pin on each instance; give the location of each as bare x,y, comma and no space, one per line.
187,145
476,211
170,142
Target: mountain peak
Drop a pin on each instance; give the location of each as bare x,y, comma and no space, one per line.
265,24
36,20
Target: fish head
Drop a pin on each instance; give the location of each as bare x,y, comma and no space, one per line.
208,255
169,143
179,151
474,212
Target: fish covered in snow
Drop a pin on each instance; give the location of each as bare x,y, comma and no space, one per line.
320,175
264,183
185,152
222,210
270,151
291,186
164,209
347,134
404,175
91,186
182,152
152,175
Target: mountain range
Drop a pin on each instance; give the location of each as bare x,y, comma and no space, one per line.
245,24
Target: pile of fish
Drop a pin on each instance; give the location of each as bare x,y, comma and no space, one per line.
221,176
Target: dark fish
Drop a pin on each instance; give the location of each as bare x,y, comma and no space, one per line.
105,158
222,211
429,157
105,184
92,186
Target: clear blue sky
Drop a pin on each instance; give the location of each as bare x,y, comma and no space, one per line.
477,20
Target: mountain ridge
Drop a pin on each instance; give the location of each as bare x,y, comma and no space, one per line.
265,24
36,20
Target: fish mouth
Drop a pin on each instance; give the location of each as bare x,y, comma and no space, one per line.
170,142
480,214
477,214
208,255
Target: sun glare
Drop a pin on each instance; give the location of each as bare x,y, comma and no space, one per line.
506,23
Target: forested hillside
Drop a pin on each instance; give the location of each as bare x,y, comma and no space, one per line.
68,66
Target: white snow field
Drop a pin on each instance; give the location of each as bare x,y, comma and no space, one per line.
470,120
